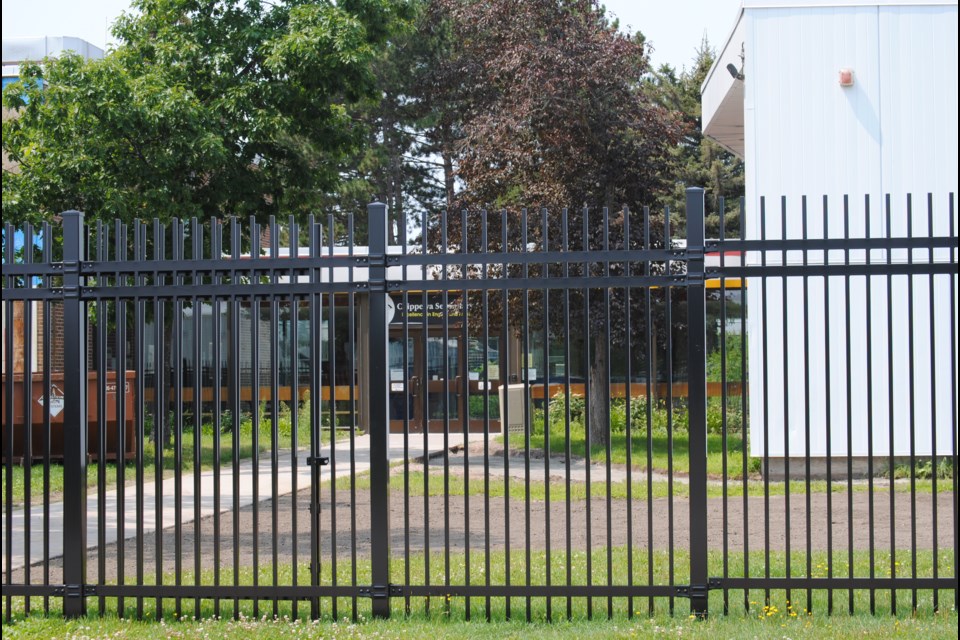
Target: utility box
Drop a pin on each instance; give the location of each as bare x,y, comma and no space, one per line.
513,406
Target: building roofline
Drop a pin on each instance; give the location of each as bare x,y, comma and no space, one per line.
34,49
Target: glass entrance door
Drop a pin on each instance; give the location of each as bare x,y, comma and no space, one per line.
442,375
425,381
403,380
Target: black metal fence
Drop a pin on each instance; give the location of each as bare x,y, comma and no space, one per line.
538,414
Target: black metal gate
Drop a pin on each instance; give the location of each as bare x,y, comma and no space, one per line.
197,417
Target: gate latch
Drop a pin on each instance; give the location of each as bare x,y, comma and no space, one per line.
317,461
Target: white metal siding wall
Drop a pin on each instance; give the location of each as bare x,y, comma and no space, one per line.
811,137
894,131
918,64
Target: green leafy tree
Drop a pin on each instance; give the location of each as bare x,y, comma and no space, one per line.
206,108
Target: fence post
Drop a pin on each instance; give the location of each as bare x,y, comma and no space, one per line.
378,399
697,399
74,420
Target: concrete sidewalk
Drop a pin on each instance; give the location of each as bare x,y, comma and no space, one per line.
287,470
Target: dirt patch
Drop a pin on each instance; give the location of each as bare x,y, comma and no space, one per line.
265,534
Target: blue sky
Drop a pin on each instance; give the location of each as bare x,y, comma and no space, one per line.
674,29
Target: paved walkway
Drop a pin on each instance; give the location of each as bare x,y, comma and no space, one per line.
286,471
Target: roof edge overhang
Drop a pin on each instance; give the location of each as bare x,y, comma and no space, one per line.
721,95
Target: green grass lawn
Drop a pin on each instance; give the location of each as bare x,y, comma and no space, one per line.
663,448
436,483
659,446
755,614
941,626
657,437
660,442
661,461
516,487
452,484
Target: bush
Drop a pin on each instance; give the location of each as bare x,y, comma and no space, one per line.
476,407
304,411
660,420
924,469
558,408
715,415
735,347
618,414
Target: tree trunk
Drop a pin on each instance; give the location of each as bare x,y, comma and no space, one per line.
599,394
446,153
448,183
399,214
396,181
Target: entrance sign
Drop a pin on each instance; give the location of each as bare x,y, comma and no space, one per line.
436,311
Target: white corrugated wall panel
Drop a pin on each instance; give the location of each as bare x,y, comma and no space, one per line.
918,63
894,131
812,137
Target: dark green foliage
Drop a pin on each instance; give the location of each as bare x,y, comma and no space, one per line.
397,162
734,361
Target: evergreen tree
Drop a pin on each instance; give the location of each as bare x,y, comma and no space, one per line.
697,160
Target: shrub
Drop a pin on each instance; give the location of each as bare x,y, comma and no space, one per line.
715,415
660,419
735,347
